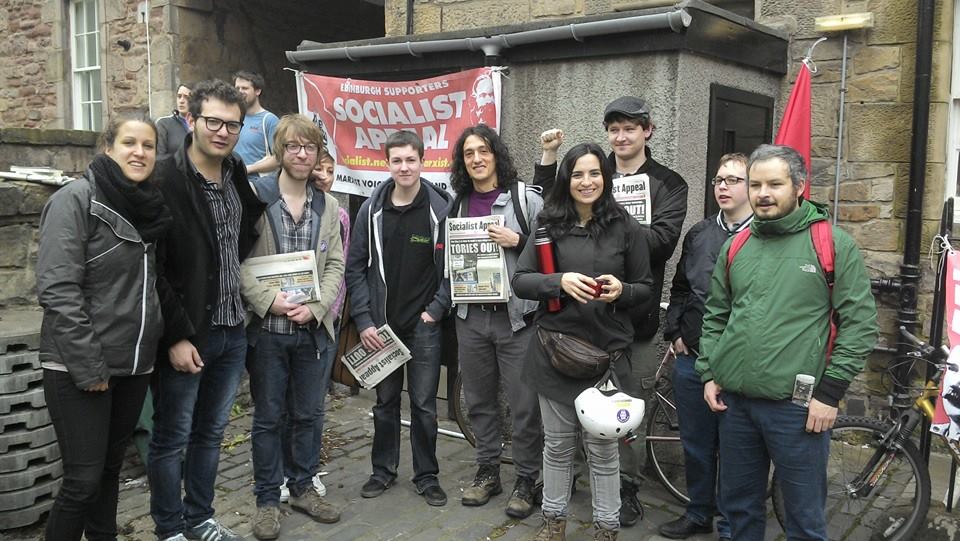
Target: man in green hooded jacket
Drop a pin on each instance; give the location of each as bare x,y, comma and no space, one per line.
767,322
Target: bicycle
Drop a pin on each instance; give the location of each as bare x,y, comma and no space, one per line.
875,471
664,449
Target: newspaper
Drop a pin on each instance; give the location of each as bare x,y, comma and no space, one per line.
476,265
293,272
633,192
370,368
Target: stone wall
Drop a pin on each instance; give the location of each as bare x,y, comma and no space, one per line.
22,202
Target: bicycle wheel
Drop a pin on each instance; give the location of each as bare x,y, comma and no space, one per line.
463,420
894,509
664,450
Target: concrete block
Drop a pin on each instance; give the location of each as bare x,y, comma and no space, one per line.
15,240
879,86
552,8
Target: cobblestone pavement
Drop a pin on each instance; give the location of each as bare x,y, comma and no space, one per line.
399,513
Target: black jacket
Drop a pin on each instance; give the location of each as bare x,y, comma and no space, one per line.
668,197
622,251
95,281
691,283
170,135
187,258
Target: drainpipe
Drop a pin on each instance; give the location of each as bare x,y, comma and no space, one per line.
910,269
409,17
676,20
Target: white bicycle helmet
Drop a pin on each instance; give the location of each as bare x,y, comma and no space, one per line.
607,412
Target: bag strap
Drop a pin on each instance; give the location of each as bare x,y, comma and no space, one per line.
738,241
518,195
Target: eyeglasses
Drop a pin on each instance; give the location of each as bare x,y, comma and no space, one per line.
214,124
729,181
295,148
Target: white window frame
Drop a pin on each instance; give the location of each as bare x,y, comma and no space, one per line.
83,117
953,122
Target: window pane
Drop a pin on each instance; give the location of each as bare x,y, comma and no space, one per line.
91,7
95,85
84,117
78,17
96,114
80,52
93,50
83,84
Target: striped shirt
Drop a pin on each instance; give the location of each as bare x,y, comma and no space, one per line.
224,204
294,237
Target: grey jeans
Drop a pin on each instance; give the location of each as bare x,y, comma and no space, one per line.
645,358
491,355
560,427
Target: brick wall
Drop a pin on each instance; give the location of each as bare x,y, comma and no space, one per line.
28,93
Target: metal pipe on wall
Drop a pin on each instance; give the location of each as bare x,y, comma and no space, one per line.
843,102
910,268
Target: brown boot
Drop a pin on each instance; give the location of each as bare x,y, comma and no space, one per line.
599,534
553,529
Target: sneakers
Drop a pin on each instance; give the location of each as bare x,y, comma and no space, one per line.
313,504
374,487
599,534
630,508
266,524
683,528
317,484
553,529
485,485
521,502
434,495
178,537
211,530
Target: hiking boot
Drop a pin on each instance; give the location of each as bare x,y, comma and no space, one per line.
211,530
553,529
313,504
485,485
317,483
630,508
522,499
266,524
600,534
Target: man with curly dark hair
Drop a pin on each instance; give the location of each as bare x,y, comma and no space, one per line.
493,337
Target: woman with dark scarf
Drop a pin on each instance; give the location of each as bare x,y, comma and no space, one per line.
96,274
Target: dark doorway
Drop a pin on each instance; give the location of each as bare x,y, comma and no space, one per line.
739,122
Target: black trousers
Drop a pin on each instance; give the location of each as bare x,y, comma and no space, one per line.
93,430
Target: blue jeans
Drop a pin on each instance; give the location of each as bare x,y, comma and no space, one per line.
287,371
326,361
191,412
423,375
701,441
754,431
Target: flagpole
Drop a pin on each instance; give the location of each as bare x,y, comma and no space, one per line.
843,101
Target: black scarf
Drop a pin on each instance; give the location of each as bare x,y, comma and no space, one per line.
140,203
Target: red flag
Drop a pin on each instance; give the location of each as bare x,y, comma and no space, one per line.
795,127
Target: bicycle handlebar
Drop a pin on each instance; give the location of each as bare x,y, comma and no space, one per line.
928,351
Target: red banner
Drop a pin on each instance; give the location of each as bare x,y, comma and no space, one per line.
357,117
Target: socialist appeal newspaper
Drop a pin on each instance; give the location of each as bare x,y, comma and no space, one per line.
475,263
371,367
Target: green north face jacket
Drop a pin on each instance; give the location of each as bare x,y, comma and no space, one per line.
771,321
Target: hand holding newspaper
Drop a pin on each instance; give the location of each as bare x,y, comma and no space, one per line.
294,273
372,367
476,264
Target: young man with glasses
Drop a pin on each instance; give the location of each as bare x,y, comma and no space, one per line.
202,352
289,370
698,425
629,127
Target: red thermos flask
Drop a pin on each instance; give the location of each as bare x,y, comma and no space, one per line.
548,262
